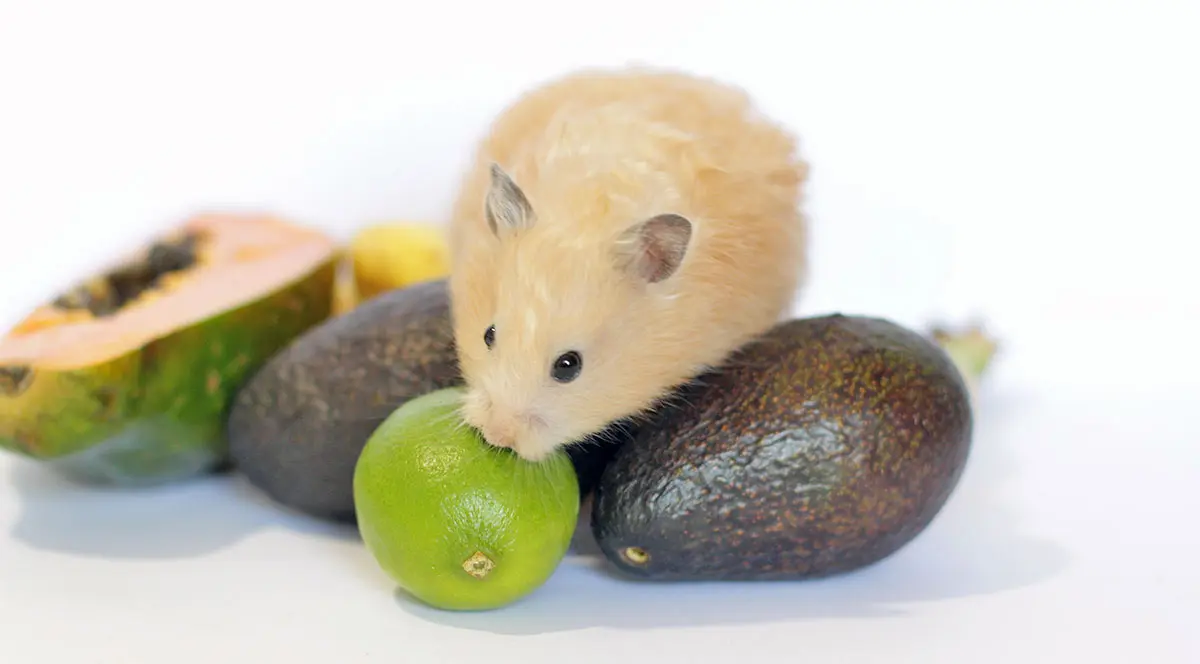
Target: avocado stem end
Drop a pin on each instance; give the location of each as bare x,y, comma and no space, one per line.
635,555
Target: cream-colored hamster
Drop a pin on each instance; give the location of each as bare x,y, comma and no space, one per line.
618,233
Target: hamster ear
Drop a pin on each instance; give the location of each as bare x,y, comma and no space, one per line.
652,250
506,207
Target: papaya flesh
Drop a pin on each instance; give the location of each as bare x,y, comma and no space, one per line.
128,377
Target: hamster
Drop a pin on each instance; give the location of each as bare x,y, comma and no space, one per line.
617,233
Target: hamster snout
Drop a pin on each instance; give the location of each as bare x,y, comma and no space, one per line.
507,427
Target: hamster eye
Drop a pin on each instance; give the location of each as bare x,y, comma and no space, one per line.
489,336
567,367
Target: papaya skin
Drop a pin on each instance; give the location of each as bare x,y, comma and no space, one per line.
155,413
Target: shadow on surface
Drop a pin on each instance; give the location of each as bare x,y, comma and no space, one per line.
974,547
180,520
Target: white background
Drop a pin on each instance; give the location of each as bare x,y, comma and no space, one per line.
1034,163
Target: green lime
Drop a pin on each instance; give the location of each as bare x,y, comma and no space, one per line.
457,523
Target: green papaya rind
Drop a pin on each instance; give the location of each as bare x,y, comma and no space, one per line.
156,413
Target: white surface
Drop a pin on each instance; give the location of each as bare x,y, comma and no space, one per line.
1029,161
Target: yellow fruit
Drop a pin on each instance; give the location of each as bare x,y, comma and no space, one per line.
457,523
398,254
345,291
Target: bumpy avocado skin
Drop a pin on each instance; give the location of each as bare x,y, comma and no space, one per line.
823,447
297,428
300,424
156,414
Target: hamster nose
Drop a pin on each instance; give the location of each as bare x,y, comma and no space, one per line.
501,440
499,436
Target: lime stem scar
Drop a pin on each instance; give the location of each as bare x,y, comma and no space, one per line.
478,565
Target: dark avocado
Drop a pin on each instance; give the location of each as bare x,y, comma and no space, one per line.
824,446
297,427
591,455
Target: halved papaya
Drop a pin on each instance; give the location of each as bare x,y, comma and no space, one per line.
128,377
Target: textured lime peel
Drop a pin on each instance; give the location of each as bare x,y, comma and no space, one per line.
456,523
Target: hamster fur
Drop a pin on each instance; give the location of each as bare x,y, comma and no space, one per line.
647,220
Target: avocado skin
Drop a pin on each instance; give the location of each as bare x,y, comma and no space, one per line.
297,427
592,455
822,447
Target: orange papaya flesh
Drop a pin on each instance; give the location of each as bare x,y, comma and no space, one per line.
128,377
